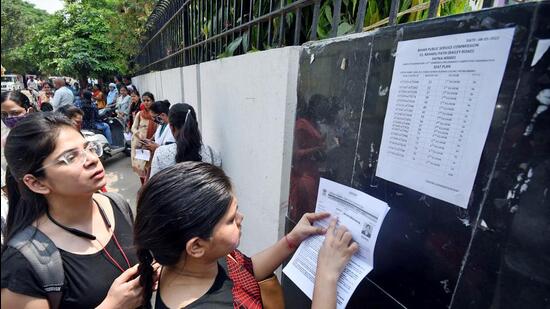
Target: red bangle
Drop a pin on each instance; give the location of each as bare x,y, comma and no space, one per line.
290,244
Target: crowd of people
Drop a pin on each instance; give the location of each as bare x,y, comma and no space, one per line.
183,240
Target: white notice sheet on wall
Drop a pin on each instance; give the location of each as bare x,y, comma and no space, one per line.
441,103
362,215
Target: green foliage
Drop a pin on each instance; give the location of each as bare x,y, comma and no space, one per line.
88,38
127,28
231,48
376,11
373,13
75,42
455,7
215,18
19,21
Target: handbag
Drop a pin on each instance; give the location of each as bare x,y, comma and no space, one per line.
271,291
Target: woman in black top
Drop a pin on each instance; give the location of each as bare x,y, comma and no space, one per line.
52,175
188,221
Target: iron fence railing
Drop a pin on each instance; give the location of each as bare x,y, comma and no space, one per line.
184,32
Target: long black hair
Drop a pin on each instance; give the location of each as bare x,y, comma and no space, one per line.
180,202
17,97
183,118
28,144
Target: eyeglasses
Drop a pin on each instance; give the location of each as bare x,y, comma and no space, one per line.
77,156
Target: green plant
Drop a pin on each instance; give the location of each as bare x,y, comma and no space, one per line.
268,34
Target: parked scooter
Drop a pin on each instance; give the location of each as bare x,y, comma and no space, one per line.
119,142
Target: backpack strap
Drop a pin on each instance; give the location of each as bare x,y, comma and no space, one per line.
45,259
122,205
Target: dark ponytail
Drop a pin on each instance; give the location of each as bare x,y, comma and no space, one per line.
183,118
178,203
145,270
28,144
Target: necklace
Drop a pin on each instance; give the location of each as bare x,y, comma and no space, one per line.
89,236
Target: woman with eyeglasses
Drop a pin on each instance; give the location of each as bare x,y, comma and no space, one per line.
163,134
53,174
143,128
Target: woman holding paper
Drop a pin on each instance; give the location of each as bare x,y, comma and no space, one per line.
143,127
188,221
163,136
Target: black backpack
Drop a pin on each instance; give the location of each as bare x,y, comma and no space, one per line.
44,257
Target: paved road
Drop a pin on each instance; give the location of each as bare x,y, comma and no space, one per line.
122,179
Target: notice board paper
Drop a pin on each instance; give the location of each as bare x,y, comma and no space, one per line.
362,215
440,106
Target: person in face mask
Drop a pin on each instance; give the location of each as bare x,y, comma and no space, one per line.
163,135
15,107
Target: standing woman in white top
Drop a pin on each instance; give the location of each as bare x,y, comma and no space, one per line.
188,146
163,135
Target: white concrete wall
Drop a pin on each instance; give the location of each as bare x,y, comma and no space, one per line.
247,108
191,88
158,85
172,85
152,82
246,104
138,82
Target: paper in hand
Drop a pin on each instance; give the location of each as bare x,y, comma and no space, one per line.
143,154
362,215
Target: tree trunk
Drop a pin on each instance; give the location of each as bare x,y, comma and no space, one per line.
83,81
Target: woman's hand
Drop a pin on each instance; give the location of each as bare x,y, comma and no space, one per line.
125,292
304,228
156,275
265,262
335,253
150,145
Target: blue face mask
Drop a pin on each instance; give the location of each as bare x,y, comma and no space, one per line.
10,122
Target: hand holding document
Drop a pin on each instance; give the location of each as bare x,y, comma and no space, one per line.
143,154
362,215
